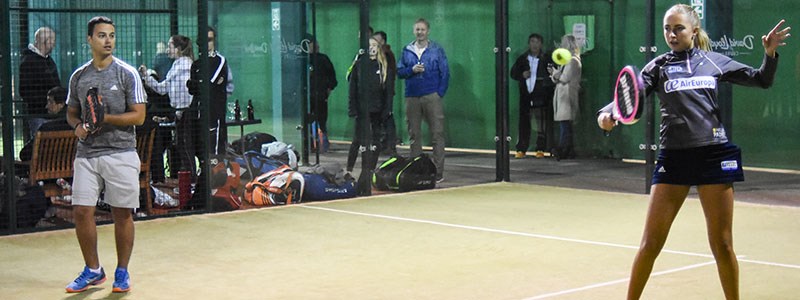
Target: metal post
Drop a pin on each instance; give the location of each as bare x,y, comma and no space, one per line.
314,63
173,17
501,50
204,95
649,137
7,112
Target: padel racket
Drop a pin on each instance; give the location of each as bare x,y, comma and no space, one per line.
628,92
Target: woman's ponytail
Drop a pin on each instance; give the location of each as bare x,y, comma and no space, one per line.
702,41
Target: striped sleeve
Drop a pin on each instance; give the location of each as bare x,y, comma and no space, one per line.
135,93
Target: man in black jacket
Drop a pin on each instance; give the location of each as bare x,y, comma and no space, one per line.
37,75
218,98
535,95
323,81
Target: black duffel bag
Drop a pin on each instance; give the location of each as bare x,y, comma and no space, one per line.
405,174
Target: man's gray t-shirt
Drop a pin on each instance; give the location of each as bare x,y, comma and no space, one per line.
119,85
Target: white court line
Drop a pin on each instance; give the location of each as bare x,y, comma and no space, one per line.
618,281
541,236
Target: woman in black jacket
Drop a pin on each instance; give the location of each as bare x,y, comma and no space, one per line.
370,103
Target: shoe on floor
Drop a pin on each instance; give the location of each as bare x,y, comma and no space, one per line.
85,279
520,154
439,179
122,281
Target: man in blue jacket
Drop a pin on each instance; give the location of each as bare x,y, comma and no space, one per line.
423,65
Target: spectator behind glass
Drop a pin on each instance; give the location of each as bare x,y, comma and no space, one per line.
323,81
219,71
37,75
565,101
56,107
369,102
162,61
390,128
423,64
535,95
180,49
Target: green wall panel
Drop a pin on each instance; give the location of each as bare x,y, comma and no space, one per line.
765,122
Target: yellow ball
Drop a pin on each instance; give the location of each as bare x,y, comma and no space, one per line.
561,56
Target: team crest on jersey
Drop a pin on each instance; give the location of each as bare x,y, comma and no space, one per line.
729,165
691,83
675,69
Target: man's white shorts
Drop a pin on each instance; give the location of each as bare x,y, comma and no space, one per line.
115,174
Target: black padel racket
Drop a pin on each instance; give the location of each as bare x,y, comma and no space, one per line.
628,92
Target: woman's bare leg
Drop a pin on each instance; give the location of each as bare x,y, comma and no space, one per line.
717,201
665,202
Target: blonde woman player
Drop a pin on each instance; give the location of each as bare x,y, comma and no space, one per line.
694,147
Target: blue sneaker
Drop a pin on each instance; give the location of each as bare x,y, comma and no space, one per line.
122,281
85,279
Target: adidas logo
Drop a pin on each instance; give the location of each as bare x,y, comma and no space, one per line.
114,88
662,170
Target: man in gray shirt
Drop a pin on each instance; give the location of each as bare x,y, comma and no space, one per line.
106,159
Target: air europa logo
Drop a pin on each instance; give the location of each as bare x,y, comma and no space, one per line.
691,83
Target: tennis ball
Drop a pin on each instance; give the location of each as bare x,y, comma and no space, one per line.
561,56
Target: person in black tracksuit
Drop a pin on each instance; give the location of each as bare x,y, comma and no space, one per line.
694,147
370,103
535,95
218,100
217,107
323,81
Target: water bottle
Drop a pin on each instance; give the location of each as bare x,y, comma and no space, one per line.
184,187
64,184
250,113
66,190
237,111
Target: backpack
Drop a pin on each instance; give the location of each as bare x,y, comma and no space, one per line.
31,204
405,174
277,187
256,164
225,183
253,141
280,151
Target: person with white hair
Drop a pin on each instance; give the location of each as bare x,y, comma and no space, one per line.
37,75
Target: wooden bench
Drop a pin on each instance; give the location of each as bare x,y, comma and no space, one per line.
54,154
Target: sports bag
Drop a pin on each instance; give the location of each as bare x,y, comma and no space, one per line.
320,188
277,187
405,174
256,164
225,183
280,151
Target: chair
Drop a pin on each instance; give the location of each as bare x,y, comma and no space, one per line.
52,158
144,147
